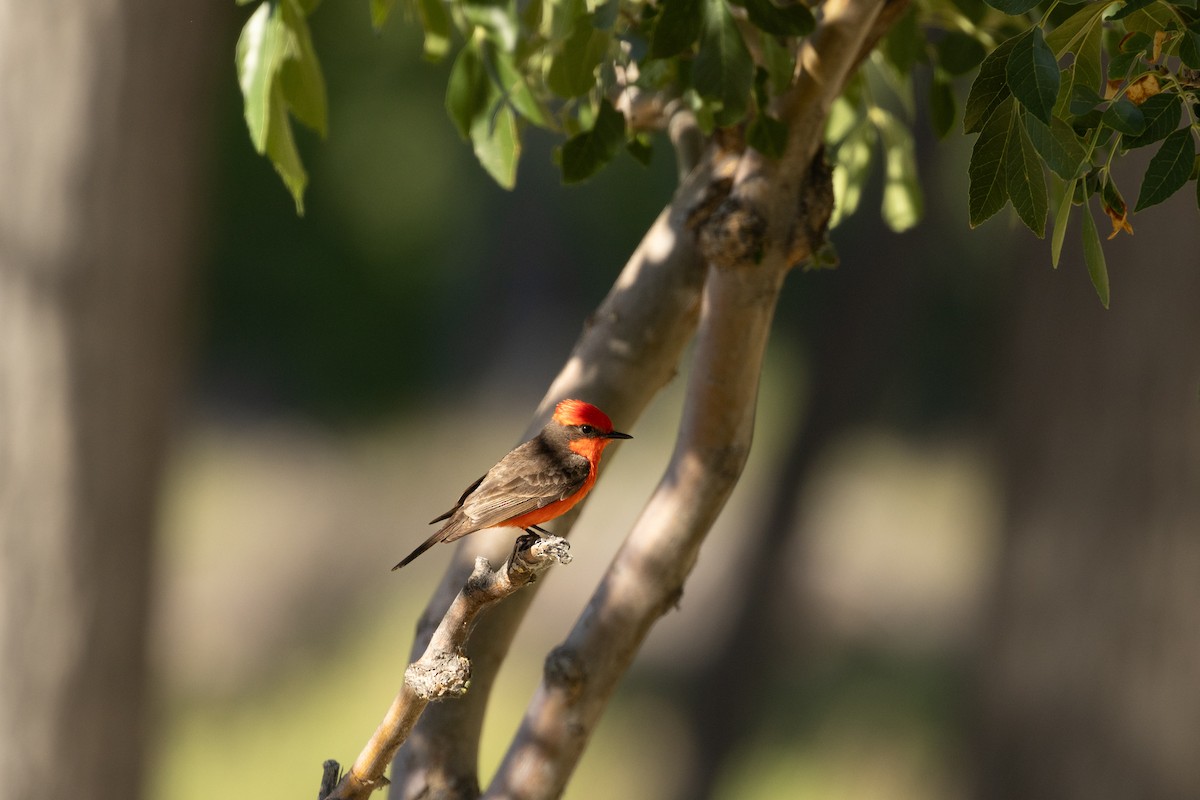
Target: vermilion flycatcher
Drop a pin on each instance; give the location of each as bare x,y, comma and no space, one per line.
536,482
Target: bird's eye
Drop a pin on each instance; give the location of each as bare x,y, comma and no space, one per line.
586,430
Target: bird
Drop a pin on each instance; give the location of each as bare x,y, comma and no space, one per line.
536,482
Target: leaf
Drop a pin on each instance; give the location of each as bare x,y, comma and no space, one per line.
573,68
261,49
1093,256
1130,7
989,89
278,72
1189,48
1168,170
1060,222
435,20
467,89
497,19
903,203
941,106
1058,146
281,149
1025,182
780,63
678,27
300,73
497,144
1032,74
1161,114
583,155
790,20
904,43
1124,117
1070,34
1012,7
851,171
959,53
988,180
380,9
723,71
514,88
768,136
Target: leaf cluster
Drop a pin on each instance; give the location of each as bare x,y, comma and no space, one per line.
597,72
1070,96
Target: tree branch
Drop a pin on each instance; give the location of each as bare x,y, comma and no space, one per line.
443,671
628,350
773,217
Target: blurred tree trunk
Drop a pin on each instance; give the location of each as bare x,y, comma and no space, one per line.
1088,674
103,106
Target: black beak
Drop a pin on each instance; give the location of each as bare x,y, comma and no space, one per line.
617,435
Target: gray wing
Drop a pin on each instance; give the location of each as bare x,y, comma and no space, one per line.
528,478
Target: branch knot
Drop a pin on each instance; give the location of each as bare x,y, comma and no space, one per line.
439,675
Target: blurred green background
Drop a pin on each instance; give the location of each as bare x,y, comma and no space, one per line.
357,367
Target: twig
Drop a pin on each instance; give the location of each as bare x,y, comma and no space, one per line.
443,671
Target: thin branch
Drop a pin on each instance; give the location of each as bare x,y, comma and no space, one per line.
443,671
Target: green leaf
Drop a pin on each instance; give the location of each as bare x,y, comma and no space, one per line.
780,63
281,149
1025,181
380,9
1083,99
1169,170
1130,7
1189,48
1060,222
851,171
941,106
790,20
987,171
1012,7
468,88
959,53
641,150
1118,65
1161,113
1058,146
261,49
435,20
584,154
300,74
514,88
904,44
989,89
678,27
496,18
723,71
1032,74
768,136
903,203
497,144
1070,34
1093,256
1124,117
573,68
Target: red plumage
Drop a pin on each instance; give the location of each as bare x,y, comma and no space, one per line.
537,481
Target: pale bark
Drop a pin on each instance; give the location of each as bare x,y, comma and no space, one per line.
102,104
443,671
772,220
629,349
